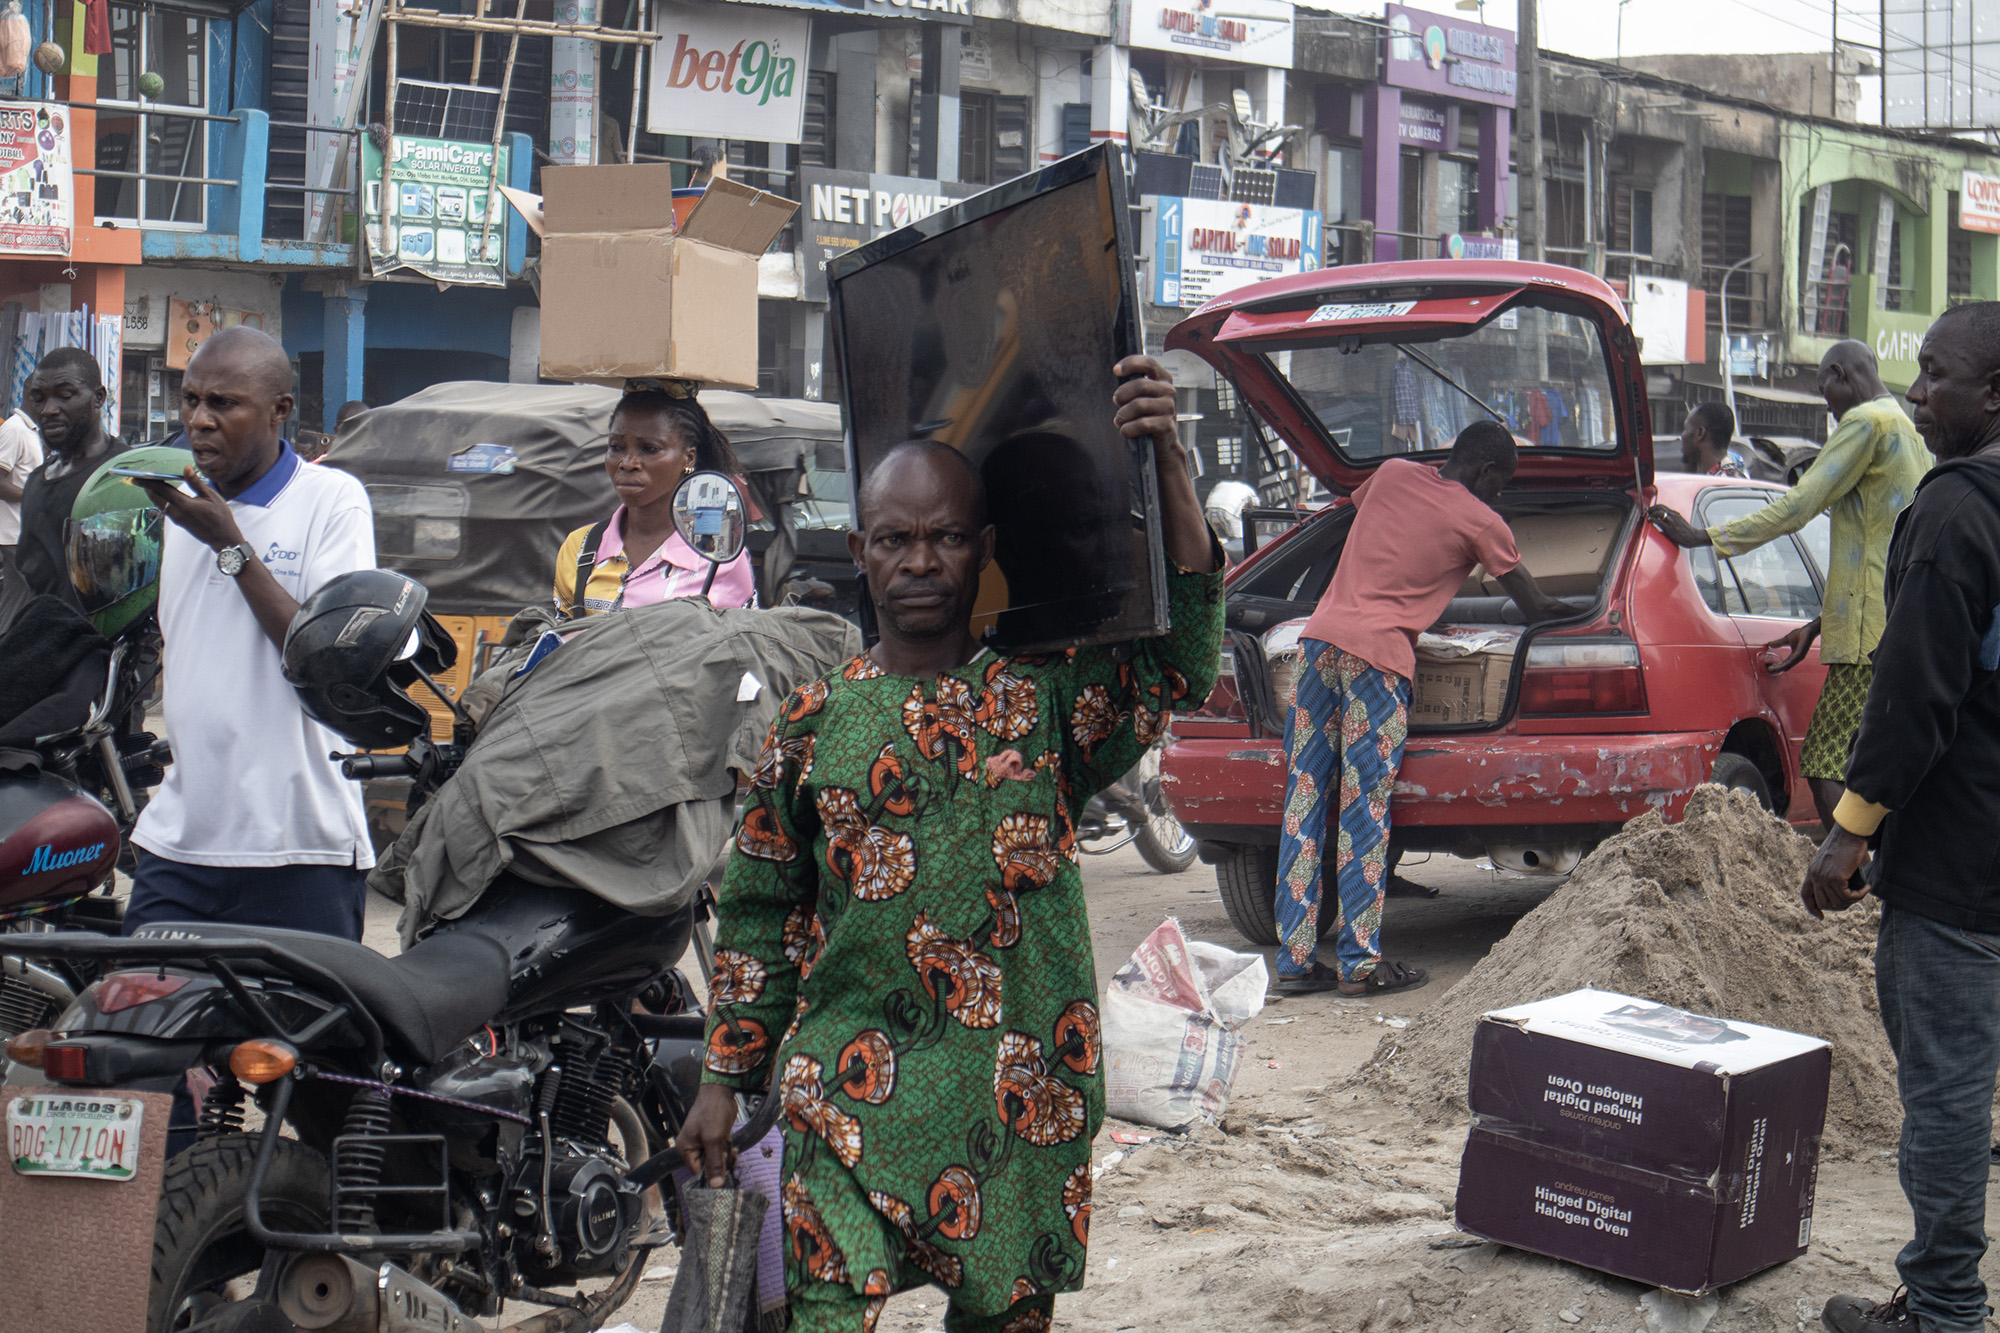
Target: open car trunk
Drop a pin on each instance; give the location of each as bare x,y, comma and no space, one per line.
1469,663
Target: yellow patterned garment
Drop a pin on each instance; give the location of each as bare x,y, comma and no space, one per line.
1865,476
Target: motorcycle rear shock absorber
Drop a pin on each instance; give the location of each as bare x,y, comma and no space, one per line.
357,1160
222,1109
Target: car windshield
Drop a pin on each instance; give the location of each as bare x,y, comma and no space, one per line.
1541,373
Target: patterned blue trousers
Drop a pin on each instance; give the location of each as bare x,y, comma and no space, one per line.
1355,716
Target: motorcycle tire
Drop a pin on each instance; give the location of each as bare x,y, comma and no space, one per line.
1166,845
199,1239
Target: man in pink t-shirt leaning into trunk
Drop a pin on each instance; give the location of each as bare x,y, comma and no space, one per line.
1416,535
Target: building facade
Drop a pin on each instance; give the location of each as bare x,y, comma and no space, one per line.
225,165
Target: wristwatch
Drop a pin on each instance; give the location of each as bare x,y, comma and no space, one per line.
233,560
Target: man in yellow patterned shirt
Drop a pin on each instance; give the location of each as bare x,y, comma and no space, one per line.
1865,476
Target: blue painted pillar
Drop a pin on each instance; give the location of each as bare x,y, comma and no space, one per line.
520,176
242,151
346,329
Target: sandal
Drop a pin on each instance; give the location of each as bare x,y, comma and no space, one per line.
1321,978
1407,888
1387,977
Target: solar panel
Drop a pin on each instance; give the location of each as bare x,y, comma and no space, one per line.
459,111
1205,182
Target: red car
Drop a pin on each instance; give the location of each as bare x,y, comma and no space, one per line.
1658,683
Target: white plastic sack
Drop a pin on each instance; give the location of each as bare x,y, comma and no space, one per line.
1171,1020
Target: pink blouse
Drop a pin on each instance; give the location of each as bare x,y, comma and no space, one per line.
675,571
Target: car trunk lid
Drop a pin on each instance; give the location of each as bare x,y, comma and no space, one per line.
1353,365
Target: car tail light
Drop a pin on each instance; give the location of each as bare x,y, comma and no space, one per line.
26,1048
127,990
1579,677
65,1062
1224,701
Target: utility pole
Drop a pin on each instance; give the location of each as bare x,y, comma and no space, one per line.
1528,130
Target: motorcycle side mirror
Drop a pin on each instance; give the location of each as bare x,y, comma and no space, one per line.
710,516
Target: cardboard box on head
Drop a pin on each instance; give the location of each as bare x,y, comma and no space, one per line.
626,294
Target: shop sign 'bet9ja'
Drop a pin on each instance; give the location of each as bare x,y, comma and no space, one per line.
734,72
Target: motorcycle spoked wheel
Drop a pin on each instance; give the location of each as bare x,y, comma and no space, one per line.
201,1248
1165,845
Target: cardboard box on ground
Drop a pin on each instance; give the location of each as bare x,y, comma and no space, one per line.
1641,1140
626,295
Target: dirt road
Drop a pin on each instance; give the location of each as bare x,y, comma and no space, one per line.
1319,1207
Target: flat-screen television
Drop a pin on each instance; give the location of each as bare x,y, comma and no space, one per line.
993,326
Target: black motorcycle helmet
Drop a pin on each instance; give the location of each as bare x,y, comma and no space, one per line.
343,653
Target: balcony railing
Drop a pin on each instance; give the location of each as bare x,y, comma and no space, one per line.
1749,296
1823,307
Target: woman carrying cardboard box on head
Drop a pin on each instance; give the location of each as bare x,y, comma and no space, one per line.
1417,533
659,435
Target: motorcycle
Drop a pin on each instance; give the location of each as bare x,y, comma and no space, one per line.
1134,810
483,1118
80,785
67,805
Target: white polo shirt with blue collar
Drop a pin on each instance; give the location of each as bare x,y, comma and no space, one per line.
251,784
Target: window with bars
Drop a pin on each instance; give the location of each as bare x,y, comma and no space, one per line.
1725,229
1632,220
816,131
994,139
142,139
1957,259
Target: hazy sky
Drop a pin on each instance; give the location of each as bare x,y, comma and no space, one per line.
1590,27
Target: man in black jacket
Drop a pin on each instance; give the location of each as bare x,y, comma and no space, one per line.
1923,788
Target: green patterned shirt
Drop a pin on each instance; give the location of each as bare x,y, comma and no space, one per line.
1865,476
904,906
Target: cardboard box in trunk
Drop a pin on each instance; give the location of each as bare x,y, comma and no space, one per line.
625,295
1451,691
1455,684
1641,1140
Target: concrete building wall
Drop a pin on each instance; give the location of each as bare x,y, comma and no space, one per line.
1801,82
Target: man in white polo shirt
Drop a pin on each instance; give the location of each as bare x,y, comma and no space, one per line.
254,824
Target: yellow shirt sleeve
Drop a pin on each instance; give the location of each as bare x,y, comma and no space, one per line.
1859,816
566,568
1837,470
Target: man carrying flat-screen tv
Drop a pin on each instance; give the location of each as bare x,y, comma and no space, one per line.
902,927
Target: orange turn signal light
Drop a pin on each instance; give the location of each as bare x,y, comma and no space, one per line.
26,1049
262,1060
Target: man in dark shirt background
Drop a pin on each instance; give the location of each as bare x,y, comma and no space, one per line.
65,396
1923,789
1705,442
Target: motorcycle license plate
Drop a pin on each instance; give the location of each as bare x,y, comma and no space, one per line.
65,1135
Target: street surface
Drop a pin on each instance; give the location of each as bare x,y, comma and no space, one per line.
1224,1264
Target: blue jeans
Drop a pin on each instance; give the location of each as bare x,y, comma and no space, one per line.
1940,994
327,900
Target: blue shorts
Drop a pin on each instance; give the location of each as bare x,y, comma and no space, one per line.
328,900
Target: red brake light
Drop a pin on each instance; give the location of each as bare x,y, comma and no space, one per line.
1582,676
65,1062
125,990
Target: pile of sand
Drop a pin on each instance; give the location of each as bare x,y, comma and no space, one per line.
1703,915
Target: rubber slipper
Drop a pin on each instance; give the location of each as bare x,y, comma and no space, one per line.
1387,977
1321,978
1406,888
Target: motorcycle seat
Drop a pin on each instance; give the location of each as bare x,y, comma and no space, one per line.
426,1000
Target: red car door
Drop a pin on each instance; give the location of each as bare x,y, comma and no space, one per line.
1766,593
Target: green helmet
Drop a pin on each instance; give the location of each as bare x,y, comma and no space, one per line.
113,538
